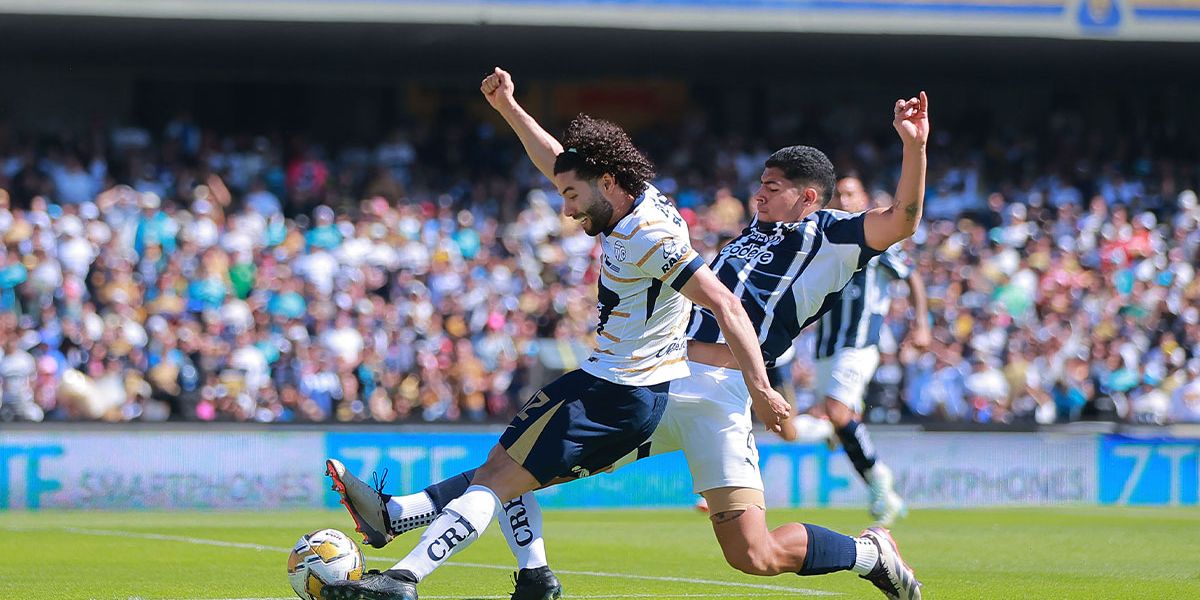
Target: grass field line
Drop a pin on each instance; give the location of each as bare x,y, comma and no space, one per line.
573,596
262,547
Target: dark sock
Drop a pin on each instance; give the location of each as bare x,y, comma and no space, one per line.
442,492
859,446
828,551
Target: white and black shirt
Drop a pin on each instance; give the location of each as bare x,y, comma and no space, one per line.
787,275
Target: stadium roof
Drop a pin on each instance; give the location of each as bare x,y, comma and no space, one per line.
1123,20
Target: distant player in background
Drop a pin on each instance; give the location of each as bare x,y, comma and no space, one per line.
847,353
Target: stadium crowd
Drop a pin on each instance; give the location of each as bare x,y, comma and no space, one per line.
190,275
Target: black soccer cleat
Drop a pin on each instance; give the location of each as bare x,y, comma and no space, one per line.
536,584
375,585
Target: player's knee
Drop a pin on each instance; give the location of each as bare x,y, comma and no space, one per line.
501,474
839,414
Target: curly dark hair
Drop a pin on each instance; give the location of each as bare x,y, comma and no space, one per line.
595,147
808,165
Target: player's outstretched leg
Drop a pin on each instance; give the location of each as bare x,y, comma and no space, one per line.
741,528
462,521
891,574
460,524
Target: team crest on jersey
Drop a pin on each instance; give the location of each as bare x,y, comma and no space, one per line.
620,252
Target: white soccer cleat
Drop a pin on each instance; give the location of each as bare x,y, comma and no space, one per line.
886,505
886,512
367,505
891,574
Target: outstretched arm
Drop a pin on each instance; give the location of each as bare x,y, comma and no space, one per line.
541,147
706,290
886,226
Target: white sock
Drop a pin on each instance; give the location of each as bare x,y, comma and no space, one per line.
521,522
406,513
866,556
462,521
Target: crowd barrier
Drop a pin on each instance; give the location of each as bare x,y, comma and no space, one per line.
174,468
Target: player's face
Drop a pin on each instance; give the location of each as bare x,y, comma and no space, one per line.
584,202
850,196
781,200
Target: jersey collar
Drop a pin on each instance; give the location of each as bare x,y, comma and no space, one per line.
757,225
636,202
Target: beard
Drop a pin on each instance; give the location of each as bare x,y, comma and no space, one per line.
599,215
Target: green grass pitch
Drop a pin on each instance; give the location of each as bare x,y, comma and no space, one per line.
1090,553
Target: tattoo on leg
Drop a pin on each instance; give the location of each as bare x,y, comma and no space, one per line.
727,516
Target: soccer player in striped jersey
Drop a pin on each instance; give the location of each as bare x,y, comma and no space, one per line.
847,353
788,267
585,420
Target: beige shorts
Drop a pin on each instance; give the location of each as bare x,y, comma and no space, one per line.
708,418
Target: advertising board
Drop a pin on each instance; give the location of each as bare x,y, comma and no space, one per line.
197,470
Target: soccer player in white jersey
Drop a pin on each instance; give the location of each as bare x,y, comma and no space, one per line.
787,268
847,353
585,420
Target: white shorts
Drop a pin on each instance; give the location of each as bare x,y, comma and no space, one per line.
845,375
708,417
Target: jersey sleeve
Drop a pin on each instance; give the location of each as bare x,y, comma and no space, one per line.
896,261
845,231
665,254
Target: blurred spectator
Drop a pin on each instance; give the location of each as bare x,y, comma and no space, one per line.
18,368
209,277
1185,401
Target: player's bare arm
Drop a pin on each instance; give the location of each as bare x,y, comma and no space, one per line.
706,290
886,226
541,147
921,335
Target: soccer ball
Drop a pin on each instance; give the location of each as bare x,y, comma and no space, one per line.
321,557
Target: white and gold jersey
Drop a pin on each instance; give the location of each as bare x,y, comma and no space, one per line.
647,259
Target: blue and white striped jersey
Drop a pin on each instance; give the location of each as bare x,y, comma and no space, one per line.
856,318
786,274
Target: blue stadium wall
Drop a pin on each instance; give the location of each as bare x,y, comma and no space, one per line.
175,469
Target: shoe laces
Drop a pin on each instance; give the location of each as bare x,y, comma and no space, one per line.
377,481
